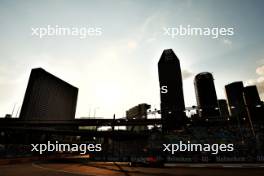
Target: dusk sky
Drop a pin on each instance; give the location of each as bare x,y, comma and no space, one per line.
118,69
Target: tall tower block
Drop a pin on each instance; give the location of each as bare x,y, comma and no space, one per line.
206,96
234,94
171,91
48,97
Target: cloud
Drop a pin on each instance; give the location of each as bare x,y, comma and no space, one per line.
186,74
259,82
260,86
227,42
260,70
132,44
149,30
152,39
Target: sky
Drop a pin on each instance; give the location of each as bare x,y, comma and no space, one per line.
118,69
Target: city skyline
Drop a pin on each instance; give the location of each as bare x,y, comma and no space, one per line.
238,96
120,65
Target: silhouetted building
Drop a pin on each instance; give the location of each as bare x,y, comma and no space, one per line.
253,103
234,94
223,109
8,116
138,112
48,98
206,96
171,91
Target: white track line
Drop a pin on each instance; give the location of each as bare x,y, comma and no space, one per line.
232,166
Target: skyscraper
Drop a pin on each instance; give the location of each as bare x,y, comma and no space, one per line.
234,94
171,91
206,96
48,98
223,109
253,104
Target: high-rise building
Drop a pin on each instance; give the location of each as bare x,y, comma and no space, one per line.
234,94
223,109
206,96
253,103
138,112
171,91
48,98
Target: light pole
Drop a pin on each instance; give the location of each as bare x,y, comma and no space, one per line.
95,110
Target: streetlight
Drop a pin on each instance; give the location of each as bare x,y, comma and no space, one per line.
95,110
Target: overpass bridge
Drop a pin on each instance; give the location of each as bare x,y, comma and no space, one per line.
71,127
99,122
